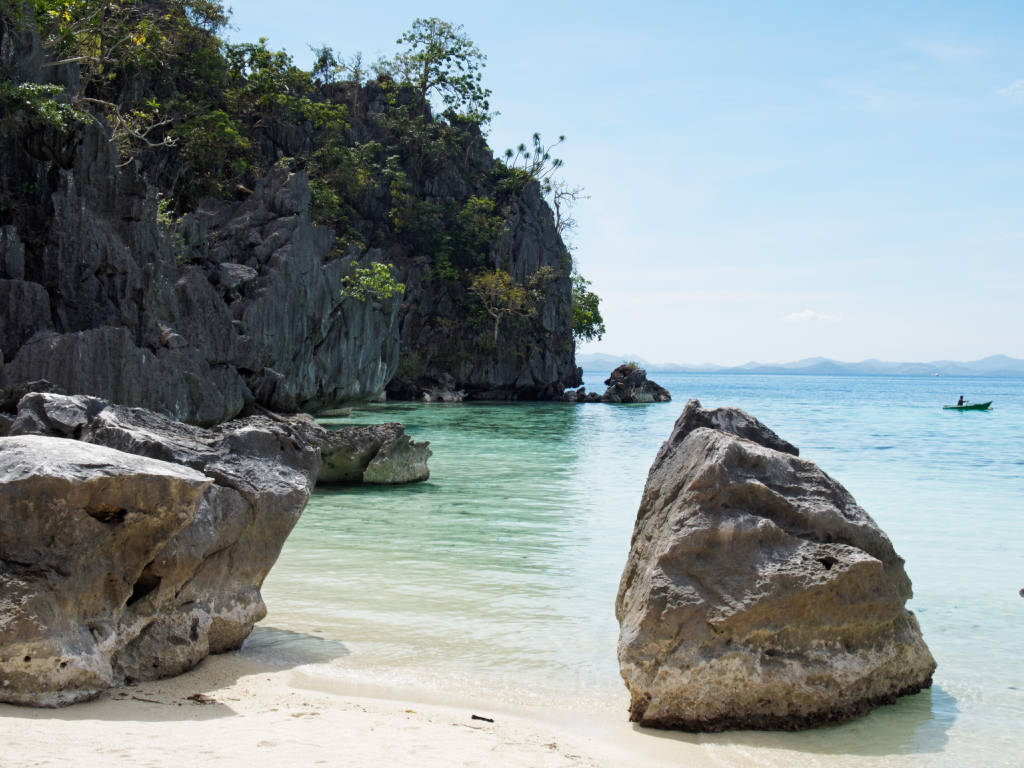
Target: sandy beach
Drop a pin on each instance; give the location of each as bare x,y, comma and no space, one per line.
233,711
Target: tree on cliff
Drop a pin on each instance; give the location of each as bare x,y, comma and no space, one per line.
440,58
587,323
502,296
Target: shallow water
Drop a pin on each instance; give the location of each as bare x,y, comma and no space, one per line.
497,578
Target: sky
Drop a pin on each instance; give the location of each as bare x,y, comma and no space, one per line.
767,181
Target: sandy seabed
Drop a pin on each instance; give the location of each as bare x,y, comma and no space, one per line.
233,711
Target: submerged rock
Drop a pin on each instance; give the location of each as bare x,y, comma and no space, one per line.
629,384
124,577
757,593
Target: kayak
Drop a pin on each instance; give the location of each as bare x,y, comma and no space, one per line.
968,407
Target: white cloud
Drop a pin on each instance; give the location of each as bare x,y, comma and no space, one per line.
810,316
1014,90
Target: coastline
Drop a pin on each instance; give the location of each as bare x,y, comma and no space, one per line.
251,713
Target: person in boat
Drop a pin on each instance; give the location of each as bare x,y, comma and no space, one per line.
960,401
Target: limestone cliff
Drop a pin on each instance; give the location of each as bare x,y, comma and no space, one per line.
200,312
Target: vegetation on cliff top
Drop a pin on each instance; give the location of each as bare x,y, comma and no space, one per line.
205,118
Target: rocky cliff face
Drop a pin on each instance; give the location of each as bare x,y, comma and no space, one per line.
757,593
131,546
239,302
240,305
446,342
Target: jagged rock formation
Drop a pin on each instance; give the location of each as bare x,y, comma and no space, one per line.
757,593
242,305
365,453
132,546
626,384
442,349
629,384
238,303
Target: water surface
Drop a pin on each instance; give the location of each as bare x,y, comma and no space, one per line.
497,578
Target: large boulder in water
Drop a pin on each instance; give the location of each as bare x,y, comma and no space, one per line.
757,593
119,568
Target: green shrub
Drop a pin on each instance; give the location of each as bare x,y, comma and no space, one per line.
377,281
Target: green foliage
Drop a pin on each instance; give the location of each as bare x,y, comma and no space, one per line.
377,281
264,86
440,58
477,227
501,296
587,323
339,176
215,155
170,46
38,103
535,162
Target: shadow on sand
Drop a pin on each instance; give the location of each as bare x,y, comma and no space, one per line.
191,696
917,724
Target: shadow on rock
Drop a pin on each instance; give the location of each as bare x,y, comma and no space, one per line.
917,724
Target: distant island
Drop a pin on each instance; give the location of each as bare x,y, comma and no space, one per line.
995,365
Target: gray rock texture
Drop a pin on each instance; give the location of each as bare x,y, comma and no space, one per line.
365,453
115,307
79,524
188,585
239,303
534,358
629,384
757,593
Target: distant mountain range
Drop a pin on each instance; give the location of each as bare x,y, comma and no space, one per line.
996,365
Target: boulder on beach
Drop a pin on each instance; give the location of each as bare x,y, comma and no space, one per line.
629,384
132,546
757,593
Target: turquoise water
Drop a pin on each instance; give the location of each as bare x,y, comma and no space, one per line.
497,578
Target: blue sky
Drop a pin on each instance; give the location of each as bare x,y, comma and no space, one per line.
768,180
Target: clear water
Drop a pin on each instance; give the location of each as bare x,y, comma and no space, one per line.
498,577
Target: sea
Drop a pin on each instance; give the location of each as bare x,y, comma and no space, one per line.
496,579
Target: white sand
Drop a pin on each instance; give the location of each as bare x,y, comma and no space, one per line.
265,716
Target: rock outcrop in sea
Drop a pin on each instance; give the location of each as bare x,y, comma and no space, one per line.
365,453
628,383
757,593
132,546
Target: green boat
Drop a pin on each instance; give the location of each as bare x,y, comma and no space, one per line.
968,407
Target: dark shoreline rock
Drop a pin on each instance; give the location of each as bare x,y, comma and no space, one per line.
365,453
628,383
157,603
757,593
